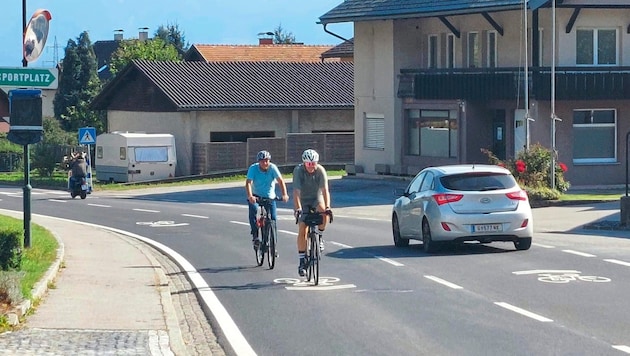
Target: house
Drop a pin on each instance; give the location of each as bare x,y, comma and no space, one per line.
437,81
203,103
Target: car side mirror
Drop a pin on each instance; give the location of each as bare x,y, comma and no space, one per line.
399,192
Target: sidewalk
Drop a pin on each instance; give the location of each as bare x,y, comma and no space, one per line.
110,294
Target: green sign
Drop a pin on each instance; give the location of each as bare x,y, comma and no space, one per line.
41,78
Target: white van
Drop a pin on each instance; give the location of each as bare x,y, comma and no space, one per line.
134,156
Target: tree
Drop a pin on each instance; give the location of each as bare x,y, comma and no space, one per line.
154,49
281,36
78,85
171,34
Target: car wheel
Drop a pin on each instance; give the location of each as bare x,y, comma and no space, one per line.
427,242
523,243
398,240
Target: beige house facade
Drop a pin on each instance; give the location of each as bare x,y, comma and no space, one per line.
435,84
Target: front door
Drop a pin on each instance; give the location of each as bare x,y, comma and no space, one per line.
498,134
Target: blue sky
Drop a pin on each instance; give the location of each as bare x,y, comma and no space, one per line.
201,21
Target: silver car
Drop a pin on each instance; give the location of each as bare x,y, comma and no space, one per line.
458,203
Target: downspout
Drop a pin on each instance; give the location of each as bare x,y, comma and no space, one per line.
334,34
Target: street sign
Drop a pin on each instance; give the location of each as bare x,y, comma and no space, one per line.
43,78
87,136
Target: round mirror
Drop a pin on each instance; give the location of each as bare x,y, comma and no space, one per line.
36,34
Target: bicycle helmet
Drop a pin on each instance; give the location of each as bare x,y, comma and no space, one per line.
263,155
310,155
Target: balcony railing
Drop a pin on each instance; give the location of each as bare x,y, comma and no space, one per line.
572,83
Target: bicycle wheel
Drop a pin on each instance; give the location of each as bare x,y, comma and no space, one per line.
315,253
260,254
271,243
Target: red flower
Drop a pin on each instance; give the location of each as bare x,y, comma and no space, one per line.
520,166
563,167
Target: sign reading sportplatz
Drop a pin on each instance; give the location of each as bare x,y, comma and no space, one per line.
40,78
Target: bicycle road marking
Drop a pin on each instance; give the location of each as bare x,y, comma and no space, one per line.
523,312
538,271
443,282
325,283
562,276
161,223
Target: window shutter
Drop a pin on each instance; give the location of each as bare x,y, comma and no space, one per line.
374,131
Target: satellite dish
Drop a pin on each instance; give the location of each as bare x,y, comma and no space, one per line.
36,34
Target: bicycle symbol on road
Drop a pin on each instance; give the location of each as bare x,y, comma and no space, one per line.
161,223
563,276
325,283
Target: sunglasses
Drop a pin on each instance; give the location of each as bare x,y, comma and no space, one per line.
310,164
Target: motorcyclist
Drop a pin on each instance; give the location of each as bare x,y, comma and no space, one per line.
78,167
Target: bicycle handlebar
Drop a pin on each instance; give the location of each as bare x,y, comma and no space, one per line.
327,212
260,199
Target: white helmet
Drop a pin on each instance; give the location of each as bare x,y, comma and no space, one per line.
263,155
310,155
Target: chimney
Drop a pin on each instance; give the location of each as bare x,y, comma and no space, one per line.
143,33
118,35
265,38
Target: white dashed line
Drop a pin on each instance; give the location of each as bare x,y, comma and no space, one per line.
623,263
147,210
340,244
523,312
543,246
623,348
288,232
391,262
583,254
58,201
239,222
443,282
195,216
100,205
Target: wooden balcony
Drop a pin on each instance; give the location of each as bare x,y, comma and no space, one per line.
572,83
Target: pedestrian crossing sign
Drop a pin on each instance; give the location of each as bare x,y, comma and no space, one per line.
87,136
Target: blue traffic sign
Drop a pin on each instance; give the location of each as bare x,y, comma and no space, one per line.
87,136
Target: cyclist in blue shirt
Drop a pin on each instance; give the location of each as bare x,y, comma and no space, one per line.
262,178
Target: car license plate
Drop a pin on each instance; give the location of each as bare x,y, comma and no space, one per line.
84,187
488,228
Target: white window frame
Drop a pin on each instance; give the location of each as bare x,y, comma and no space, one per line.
595,39
599,125
433,48
492,55
374,131
473,54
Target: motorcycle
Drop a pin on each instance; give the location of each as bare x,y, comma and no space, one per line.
78,187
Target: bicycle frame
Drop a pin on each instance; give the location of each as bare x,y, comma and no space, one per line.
267,232
313,254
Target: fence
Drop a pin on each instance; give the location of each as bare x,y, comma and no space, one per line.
333,148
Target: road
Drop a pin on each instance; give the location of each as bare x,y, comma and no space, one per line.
567,295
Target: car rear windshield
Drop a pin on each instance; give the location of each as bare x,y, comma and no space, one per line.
478,181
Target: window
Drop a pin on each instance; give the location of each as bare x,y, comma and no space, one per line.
492,49
431,133
474,50
450,51
433,51
374,131
596,47
594,135
151,154
99,152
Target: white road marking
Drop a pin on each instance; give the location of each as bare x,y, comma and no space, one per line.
543,246
239,222
623,348
360,218
339,244
443,282
390,261
100,205
538,271
195,216
58,201
623,263
288,232
226,205
523,312
147,210
583,254
322,288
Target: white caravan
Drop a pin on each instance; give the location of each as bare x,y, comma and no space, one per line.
134,156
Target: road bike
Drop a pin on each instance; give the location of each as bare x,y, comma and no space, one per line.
312,218
267,231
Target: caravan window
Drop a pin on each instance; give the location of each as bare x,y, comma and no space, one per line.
151,154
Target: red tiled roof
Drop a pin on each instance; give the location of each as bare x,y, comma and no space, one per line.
261,53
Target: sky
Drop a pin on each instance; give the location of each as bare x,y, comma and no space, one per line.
200,21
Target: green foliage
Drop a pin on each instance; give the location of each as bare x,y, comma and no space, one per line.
10,292
8,146
154,49
171,34
10,249
531,169
78,85
542,193
281,36
48,153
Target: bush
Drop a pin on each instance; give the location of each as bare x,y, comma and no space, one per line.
531,169
543,193
10,292
10,249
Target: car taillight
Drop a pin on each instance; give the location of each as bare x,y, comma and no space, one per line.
441,199
518,195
